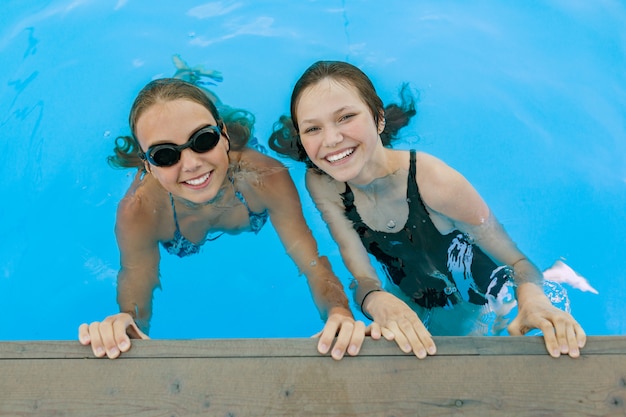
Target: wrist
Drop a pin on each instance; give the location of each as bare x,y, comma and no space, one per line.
365,297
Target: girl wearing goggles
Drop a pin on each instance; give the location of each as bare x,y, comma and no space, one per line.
194,183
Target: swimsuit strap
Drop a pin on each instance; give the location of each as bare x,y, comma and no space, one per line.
175,216
178,235
239,195
412,169
412,194
257,220
412,191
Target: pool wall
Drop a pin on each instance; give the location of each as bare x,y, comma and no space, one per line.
286,377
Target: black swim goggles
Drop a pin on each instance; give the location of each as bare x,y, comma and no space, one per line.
168,154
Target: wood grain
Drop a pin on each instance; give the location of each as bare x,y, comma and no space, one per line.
483,376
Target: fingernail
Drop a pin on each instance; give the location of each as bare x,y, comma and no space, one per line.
124,345
432,350
323,348
337,354
556,353
352,350
421,353
407,348
99,351
114,352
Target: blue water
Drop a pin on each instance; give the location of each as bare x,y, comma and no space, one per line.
526,99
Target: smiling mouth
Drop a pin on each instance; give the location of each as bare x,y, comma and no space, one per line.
198,181
339,156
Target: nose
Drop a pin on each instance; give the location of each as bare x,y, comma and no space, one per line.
190,160
332,137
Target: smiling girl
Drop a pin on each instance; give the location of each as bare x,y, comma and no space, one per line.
193,184
453,270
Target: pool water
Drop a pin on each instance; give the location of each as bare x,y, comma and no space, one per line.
528,101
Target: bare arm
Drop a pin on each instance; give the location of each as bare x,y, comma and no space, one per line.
393,318
281,198
452,201
137,279
139,260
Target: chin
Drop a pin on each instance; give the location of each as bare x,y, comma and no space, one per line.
340,175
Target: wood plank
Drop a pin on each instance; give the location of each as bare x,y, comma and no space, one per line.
470,377
532,345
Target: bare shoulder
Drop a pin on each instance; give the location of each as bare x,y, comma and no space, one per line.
259,172
255,159
446,191
141,210
323,187
433,168
433,174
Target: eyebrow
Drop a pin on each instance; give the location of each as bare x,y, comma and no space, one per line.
173,141
336,112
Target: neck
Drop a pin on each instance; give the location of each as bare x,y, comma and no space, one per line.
380,173
192,205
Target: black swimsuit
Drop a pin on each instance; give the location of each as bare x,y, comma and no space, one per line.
434,270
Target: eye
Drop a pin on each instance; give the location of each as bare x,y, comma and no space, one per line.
311,129
346,116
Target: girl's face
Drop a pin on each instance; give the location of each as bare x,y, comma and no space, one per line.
337,130
197,177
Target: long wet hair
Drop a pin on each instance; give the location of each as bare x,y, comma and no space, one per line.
285,138
239,122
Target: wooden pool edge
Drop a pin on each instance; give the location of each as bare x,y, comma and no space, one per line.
483,376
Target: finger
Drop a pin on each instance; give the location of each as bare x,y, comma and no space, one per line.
572,342
514,328
96,340
426,338
581,337
400,337
561,330
549,338
342,340
358,336
373,330
122,340
83,334
387,334
415,344
326,337
132,330
107,333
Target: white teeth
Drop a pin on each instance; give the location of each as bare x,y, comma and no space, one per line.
341,155
198,181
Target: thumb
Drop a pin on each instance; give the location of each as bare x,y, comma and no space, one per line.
134,331
515,329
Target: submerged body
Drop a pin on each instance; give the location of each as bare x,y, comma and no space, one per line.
341,130
434,270
193,184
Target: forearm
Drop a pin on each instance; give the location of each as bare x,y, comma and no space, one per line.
135,299
491,237
326,289
525,272
362,287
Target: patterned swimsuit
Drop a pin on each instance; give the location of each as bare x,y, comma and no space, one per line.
181,246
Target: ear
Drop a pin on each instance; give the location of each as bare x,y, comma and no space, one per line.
147,167
225,133
381,122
